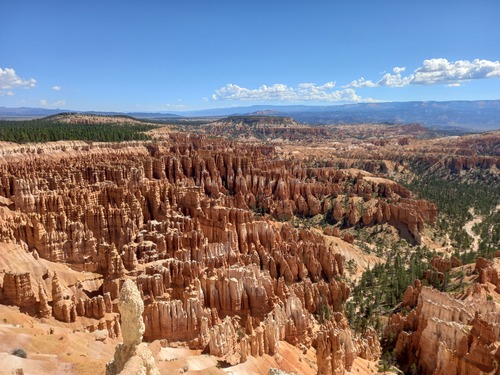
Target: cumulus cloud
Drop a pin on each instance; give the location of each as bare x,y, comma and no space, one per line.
362,82
6,93
442,71
284,93
396,79
56,88
435,71
10,80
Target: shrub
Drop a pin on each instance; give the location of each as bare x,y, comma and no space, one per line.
19,353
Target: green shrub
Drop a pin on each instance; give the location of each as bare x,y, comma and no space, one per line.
19,353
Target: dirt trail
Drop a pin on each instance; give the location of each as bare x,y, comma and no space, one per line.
468,228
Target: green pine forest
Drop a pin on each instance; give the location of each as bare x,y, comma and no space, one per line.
50,130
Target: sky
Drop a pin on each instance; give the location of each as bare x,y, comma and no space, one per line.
185,55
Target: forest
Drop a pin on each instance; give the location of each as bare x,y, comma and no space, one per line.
49,130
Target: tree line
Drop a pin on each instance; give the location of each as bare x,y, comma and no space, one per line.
41,130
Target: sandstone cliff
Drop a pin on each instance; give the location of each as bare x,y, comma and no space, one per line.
444,335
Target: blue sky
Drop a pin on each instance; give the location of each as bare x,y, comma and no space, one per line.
171,56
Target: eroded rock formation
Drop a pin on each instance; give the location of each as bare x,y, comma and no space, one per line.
489,271
338,346
212,233
17,289
132,356
444,335
202,230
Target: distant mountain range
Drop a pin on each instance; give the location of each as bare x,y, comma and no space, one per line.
27,112
471,115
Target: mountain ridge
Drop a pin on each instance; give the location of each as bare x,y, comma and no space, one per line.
23,112
479,115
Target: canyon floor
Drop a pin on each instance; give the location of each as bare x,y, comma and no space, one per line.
251,244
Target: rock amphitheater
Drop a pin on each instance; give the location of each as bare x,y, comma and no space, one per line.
183,254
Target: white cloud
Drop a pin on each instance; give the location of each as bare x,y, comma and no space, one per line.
283,93
57,104
436,71
6,93
395,80
391,80
173,106
56,88
442,71
10,80
361,83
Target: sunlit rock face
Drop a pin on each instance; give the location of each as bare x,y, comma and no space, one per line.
444,335
132,356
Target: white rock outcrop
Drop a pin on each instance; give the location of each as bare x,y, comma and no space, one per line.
132,356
